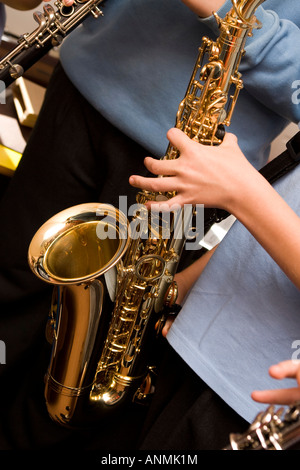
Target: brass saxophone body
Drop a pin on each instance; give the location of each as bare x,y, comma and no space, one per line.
99,362
54,24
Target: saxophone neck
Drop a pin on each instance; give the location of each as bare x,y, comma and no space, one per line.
216,82
240,17
246,9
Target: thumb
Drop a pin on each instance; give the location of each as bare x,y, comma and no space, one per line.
229,139
178,138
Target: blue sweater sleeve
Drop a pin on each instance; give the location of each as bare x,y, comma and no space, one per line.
271,66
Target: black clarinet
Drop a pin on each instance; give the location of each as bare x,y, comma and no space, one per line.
53,27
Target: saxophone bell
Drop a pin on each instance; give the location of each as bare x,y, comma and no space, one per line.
78,251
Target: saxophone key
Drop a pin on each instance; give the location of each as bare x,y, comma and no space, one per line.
117,347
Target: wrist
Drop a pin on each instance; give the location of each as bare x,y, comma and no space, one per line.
243,195
240,182
181,288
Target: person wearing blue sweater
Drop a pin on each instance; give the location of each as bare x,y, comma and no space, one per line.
241,307
140,92
110,103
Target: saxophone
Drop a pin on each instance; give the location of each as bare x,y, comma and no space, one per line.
53,27
271,430
96,259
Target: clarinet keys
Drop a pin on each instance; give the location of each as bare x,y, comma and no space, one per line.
16,71
53,26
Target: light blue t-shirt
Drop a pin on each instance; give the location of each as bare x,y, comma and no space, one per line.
133,65
242,316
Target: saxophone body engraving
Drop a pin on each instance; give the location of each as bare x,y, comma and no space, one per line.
53,26
145,269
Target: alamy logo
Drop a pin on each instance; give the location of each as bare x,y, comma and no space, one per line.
174,222
296,94
2,92
296,353
2,352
